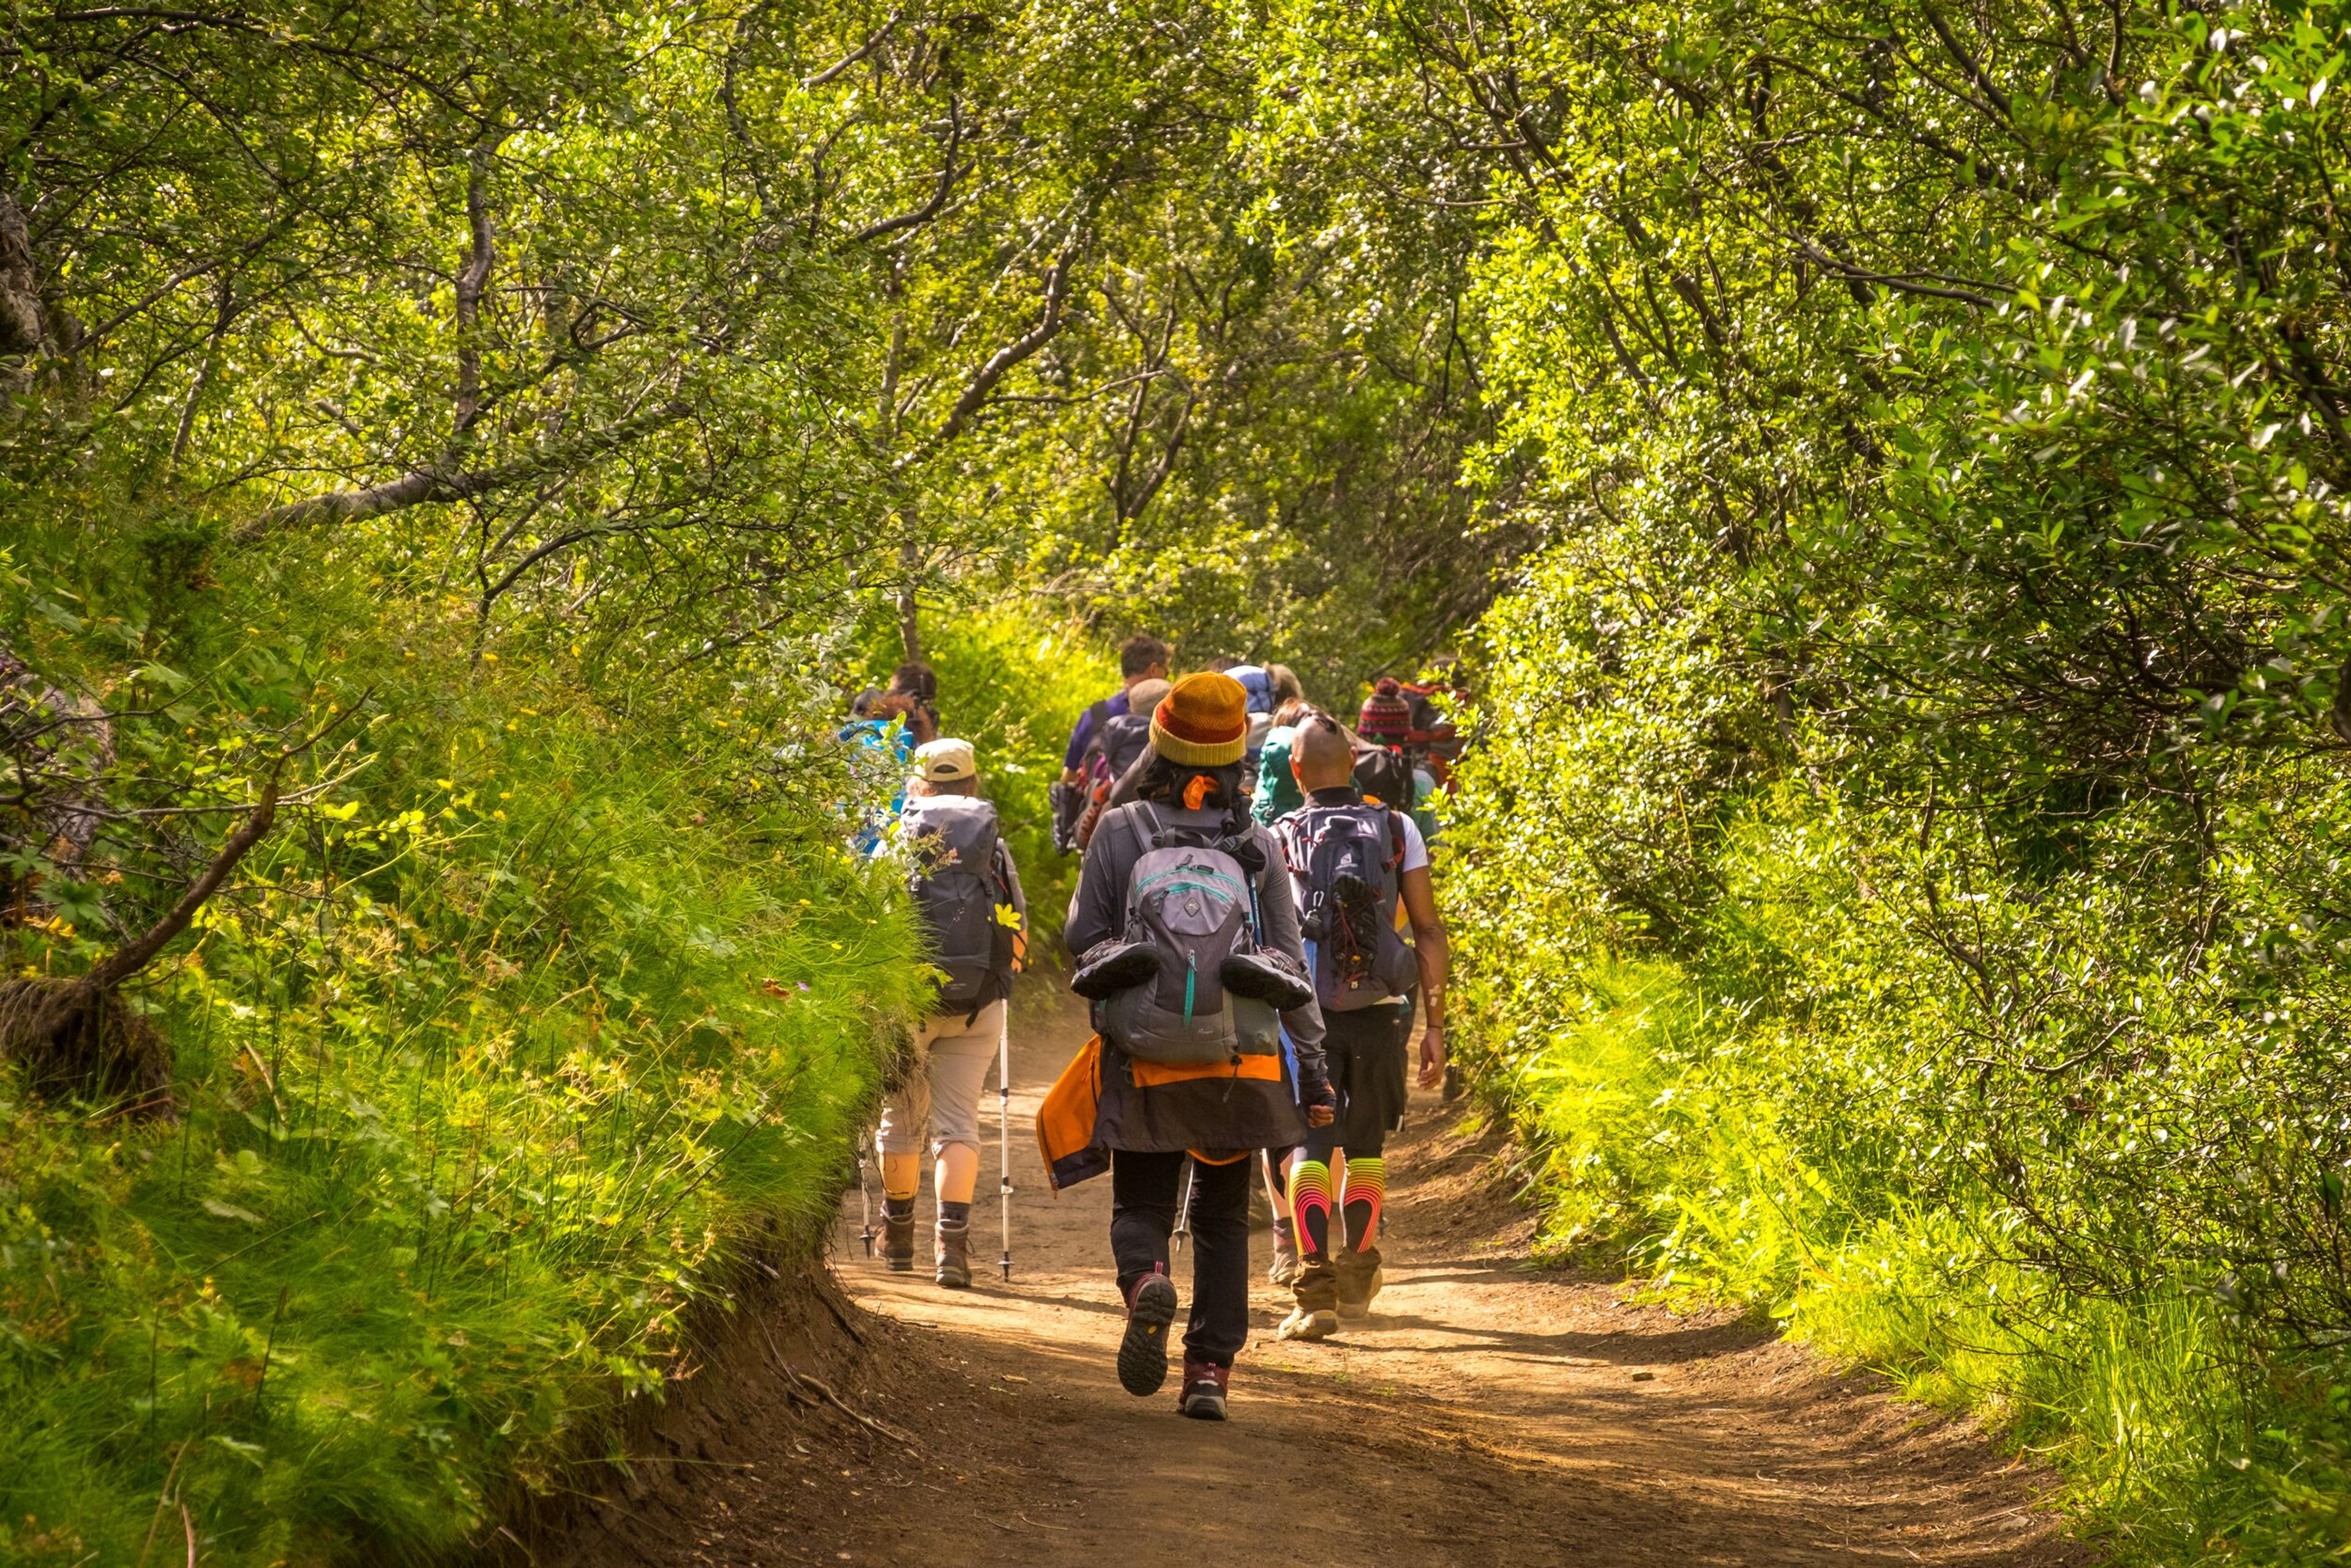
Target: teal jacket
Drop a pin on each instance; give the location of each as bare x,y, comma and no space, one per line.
1277,788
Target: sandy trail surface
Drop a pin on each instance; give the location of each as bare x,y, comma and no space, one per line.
1489,1412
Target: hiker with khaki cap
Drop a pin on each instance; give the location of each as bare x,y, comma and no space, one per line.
966,892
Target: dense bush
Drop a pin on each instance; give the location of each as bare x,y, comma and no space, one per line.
1902,878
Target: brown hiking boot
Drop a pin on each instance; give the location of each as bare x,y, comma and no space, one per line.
1316,1316
955,1256
896,1245
1359,1280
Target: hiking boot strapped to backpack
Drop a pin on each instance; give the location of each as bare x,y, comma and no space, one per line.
1187,983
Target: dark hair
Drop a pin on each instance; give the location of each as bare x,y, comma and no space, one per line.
861,705
1139,653
916,679
1164,780
1220,664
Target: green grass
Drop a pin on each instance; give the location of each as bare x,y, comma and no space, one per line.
586,1022
1663,1133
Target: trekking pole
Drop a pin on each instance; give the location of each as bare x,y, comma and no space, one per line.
1004,1138
1183,1209
865,1231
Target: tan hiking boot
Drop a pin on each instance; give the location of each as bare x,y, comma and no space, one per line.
955,1256
1316,1316
1359,1280
1302,1324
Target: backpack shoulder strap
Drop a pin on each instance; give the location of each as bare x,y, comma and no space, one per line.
1395,838
1286,835
1145,839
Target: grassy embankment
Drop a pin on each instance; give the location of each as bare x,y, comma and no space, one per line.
503,1057
1791,1101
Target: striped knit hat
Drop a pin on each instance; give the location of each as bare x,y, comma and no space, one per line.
1203,723
1386,717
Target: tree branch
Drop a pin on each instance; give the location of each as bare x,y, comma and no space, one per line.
1002,362
1968,63
133,956
855,55
948,175
421,485
472,278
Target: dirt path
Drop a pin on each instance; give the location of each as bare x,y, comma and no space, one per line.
1487,1414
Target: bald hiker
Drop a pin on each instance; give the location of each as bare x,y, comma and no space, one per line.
1359,873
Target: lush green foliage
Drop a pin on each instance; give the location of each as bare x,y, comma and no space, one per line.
1902,878
555,1011
1897,881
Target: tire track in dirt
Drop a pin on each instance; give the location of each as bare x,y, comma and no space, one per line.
1487,1414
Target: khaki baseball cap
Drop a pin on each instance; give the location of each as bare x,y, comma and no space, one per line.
944,761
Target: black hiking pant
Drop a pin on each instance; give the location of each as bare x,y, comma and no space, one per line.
1368,1054
1143,1188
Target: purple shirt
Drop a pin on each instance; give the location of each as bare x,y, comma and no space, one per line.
1083,735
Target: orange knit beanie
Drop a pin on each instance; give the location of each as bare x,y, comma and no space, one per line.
1203,723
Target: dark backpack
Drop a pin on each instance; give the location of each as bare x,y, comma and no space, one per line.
950,844
1384,774
1119,742
1348,865
1068,800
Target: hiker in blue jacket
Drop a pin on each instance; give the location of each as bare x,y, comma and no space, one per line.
1141,658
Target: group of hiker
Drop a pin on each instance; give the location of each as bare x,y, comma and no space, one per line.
1254,930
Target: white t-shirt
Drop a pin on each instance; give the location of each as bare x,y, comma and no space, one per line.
1416,848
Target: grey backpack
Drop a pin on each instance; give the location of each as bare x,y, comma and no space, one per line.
1191,907
1348,863
950,847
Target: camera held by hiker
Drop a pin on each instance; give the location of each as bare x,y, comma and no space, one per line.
966,892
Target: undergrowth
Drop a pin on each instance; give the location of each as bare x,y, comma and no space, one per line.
552,1008
1794,1114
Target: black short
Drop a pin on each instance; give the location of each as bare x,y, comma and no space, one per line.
1367,1052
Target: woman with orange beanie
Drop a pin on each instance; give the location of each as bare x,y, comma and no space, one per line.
1188,964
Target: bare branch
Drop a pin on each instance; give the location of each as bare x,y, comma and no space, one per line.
855,55
1968,63
472,278
133,956
948,175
